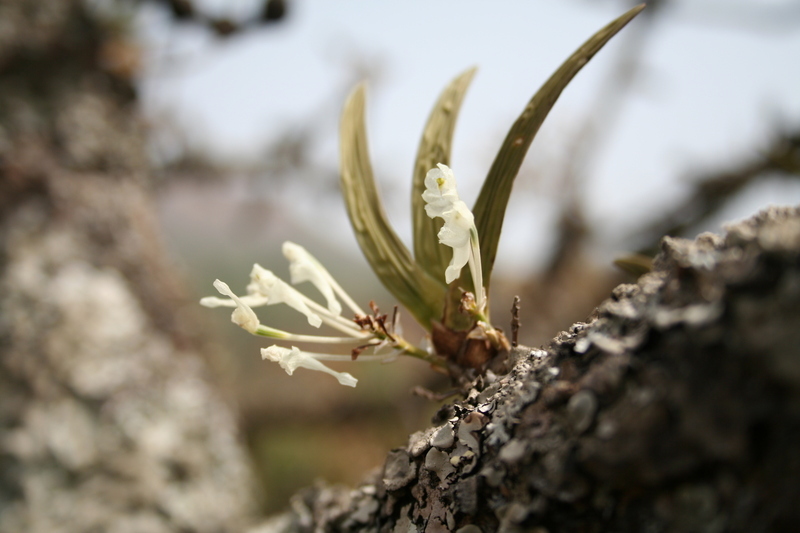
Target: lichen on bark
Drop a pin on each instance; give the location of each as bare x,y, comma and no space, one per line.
672,408
109,420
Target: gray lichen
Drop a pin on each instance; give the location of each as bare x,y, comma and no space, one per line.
100,411
641,418
108,418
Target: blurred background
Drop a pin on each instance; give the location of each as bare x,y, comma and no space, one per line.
690,117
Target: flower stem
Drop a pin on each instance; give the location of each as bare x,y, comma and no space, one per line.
272,333
476,270
414,351
335,321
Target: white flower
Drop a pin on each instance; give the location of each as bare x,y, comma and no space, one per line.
440,191
292,359
243,315
304,267
459,231
252,300
456,233
266,289
266,284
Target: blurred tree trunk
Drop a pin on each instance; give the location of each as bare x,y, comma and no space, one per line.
675,408
107,419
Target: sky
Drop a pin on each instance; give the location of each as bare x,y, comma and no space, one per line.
716,78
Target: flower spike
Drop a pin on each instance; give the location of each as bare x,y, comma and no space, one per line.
292,359
459,231
365,331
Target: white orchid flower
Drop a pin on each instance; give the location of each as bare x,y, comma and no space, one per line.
456,233
292,359
304,267
252,300
267,289
266,284
459,231
440,191
243,315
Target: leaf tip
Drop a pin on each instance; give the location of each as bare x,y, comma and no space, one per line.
636,10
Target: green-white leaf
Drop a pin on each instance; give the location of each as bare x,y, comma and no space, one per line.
390,259
434,148
491,205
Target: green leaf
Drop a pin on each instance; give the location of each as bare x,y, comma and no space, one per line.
389,258
434,148
493,199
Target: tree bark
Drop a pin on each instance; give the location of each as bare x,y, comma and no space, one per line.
675,407
107,419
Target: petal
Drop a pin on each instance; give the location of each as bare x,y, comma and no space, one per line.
441,181
458,225
453,236
274,353
433,209
266,284
250,300
441,200
292,359
304,267
460,258
243,315
440,192
213,301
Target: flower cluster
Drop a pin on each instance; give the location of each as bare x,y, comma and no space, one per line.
459,231
265,288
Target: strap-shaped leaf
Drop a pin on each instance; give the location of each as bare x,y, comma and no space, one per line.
491,205
386,253
434,148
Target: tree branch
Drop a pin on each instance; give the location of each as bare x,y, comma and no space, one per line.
671,409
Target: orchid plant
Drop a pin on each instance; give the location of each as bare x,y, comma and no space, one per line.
451,305
368,331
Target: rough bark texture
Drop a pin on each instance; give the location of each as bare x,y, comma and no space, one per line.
676,407
107,420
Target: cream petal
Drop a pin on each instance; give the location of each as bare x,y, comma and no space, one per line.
460,258
243,315
292,359
304,267
459,231
270,286
250,300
